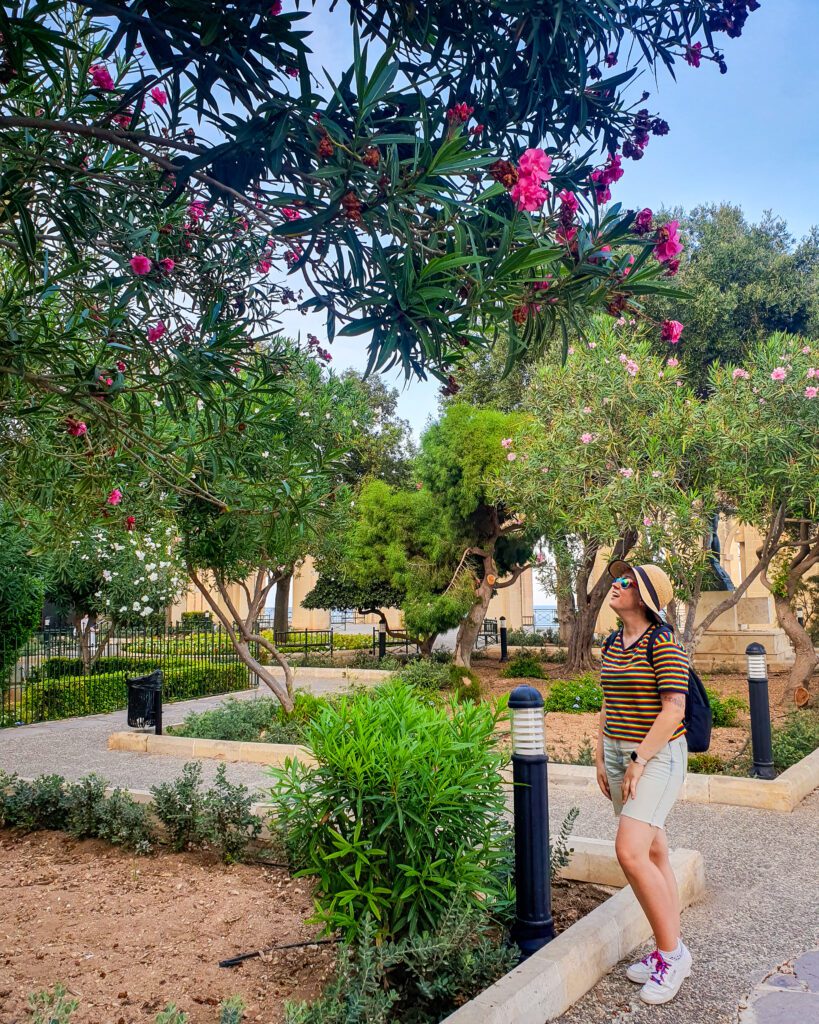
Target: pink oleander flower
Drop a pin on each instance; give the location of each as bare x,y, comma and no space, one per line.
806,351
528,195
121,366
566,235
544,469
668,245
632,368
648,521
739,373
76,428
661,374
670,330
535,163
123,120
140,265
115,497
290,213
569,201
693,55
158,95
587,438
656,474
197,210
643,221
156,332
592,344
460,113
811,392
109,381
780,373
673,362
276,8
627,473
293,72
511,456
167,264
263,266
570,350
587,409
813,372
679,383
506,442
101,77
130,523
623,357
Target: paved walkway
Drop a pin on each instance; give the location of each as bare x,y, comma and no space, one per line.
761,908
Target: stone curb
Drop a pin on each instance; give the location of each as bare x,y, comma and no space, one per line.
780,794
354,675
554,978
219,750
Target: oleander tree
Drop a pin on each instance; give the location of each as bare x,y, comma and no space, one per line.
763,423
103,578
285,465
609,460
21,590
174,175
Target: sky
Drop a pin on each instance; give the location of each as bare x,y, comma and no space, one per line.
750,137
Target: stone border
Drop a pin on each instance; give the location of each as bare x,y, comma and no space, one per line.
220,750
554,978
781,794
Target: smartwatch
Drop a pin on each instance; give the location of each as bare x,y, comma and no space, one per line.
635,757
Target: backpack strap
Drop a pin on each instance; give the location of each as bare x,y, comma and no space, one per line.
610,640
662,629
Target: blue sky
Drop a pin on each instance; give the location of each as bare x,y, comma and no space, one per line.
749,137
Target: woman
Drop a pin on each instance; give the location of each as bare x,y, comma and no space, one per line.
642,758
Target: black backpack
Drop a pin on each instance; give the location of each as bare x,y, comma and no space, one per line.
698,718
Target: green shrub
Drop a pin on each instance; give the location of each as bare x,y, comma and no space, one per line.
416,981
52,1007
366,659
725,709
555,657
197,622
231,1010
404,808
31,806
252,721
425,675
584,755
575,695
797,738
706,764
525,664
172,1015
84,800
228,825
179,805
124,822
525,638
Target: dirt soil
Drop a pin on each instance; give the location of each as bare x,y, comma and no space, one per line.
127,935
566,733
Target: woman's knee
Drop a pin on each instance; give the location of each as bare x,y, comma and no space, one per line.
658,851
631,853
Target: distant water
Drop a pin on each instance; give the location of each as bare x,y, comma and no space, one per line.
545,615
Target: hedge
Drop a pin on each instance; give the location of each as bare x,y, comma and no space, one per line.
96,694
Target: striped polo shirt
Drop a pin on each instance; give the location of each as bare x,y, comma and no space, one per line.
632,687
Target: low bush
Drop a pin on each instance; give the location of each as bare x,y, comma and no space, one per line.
415,981
263,720
55,1007
366,659
575,695
797,738
725,709
425,675
31,806
524,665
706,764
404,808
584,755
525,638
219,818
197,622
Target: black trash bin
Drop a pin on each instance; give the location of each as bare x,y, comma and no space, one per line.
145,702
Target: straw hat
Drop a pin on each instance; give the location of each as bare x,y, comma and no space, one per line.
653,584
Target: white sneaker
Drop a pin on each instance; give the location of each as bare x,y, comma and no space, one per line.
641,971
666,979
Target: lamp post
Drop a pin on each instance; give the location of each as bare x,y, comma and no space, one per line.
534,926
503,639
760,712
382,639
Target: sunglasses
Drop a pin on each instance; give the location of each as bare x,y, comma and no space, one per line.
625,582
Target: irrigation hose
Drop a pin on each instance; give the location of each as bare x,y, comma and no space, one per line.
234,961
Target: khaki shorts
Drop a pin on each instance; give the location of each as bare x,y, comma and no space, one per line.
658,786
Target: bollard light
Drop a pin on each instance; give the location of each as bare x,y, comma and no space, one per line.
382,639
534,926
504,639
760,709
757,662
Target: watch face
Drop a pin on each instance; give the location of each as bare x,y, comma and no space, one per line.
634,755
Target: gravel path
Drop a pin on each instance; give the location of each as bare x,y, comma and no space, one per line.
760,910
75,747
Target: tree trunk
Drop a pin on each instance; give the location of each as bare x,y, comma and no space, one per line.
579,658
281,614
470,627
84,640
425,646
806,659
564,593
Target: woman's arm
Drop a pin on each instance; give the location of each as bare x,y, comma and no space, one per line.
600,760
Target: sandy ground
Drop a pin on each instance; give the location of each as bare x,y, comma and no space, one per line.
127,935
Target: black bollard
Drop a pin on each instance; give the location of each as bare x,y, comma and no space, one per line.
504,643
534,926
760,712
382,640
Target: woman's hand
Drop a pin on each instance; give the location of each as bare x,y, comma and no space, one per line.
602,778
630,780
